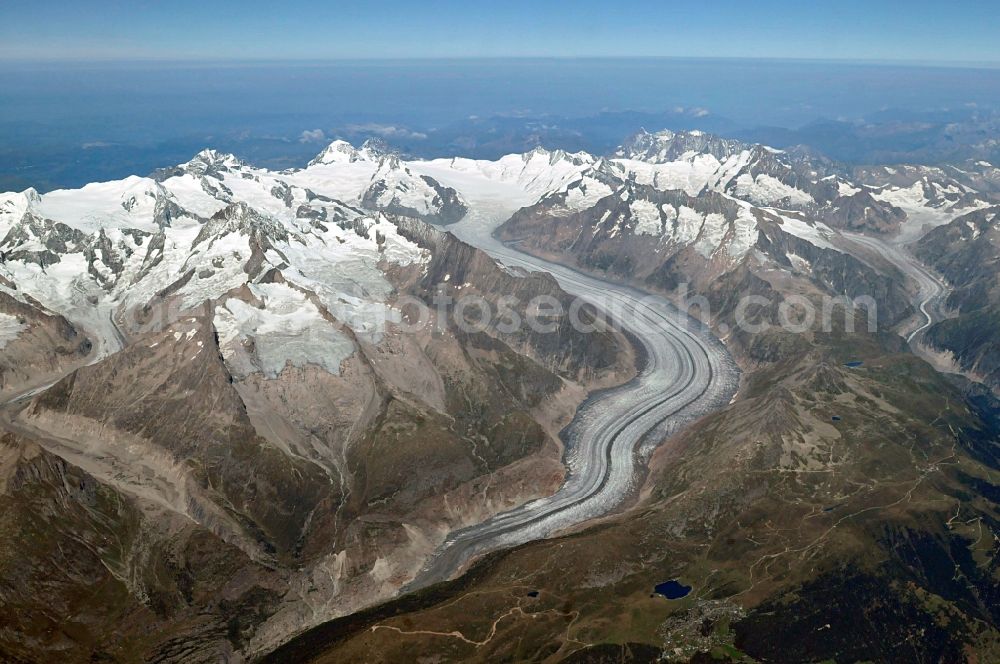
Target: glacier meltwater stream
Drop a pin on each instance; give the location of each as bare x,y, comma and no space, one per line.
687,373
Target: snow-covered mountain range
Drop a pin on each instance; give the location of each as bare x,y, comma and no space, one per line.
220,342
99,254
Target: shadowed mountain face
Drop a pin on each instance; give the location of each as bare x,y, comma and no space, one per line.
223,429
966,251
36,345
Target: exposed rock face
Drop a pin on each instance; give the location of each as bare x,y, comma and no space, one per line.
839,273
671,241
669,146
630,231
884,199
582,356
54,239
792,180
966,252
78,553
35,346
153,395
398,191
306,494
390,185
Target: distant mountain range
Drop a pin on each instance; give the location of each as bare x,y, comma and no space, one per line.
889,137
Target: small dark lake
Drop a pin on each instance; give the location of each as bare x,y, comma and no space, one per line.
672,589
854,364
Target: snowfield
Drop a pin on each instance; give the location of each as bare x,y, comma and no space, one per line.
10,329
199,230
287,329
98,253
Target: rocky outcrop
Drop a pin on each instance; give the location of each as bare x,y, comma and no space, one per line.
635,229
36,346
795,179
395,190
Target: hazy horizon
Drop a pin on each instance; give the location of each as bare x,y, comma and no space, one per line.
64,125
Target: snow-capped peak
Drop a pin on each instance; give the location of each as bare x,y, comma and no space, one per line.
31,196
389,162
339,152
554,157
14,206
210,160
342,152
375,149
666,146
241,218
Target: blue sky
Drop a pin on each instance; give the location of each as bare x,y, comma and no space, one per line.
916,30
